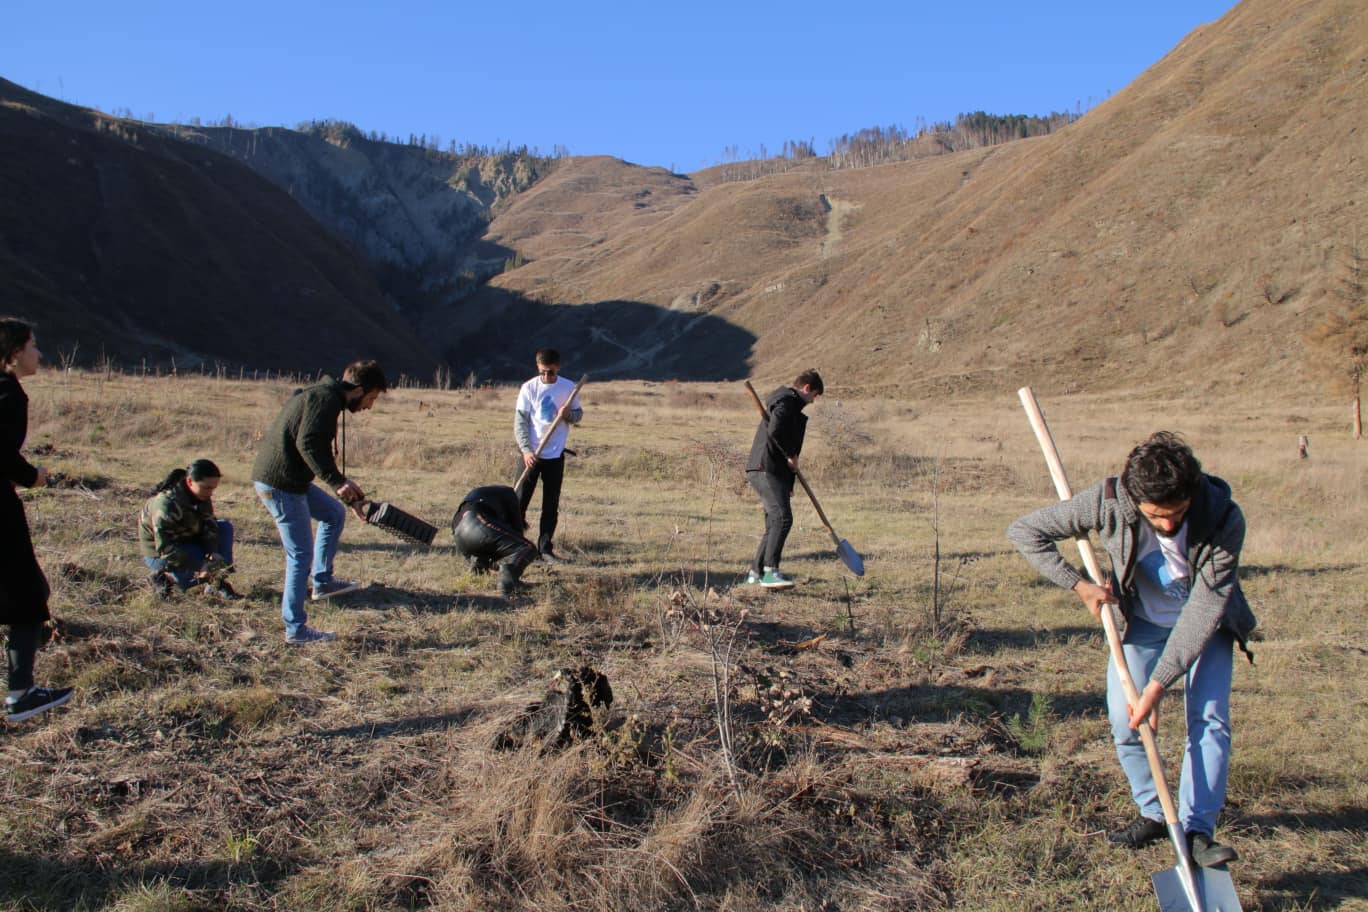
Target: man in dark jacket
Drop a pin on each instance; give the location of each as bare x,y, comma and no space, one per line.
771,469
296,450
1176,535
487,528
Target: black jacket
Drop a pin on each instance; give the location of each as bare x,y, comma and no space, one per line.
498,502
23,588
779,437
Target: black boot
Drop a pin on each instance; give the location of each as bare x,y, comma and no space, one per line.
1139,834
1207,852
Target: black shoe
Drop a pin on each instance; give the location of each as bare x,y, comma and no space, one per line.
1208,853
221,590
508,581
37,700
162,584
1139,834
477,564
548,556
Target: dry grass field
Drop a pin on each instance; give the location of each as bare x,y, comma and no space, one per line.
902,762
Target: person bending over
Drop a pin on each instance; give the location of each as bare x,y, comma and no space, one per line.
1175,534
487,528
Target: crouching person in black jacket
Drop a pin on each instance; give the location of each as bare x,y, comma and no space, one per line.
488,530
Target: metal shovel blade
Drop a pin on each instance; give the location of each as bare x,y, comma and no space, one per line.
1215,890
850,557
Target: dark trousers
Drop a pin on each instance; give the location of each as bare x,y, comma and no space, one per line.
23,646
552,473
490,540
776,496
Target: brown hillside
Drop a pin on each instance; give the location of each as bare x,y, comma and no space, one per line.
119,240
1185,231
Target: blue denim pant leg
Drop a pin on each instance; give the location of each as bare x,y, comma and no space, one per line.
185,574
1206,755
225,546
293,514
1206,760
332,516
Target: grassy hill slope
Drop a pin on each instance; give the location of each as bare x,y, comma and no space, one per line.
1185,232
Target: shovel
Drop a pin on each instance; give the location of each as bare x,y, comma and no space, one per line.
549,431
1184,886
848,555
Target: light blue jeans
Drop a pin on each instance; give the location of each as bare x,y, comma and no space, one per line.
197,556
305,556
1206,755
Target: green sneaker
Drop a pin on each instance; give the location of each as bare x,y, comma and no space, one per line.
752,578
773,579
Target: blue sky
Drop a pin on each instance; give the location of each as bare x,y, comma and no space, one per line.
655,83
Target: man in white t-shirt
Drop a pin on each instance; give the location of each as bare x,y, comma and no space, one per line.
541,401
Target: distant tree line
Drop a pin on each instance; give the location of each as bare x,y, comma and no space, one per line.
340,130
880,145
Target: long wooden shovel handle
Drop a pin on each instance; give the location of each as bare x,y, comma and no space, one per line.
560,415
764,415
1085,550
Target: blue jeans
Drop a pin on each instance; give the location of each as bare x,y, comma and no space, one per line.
304,556
1206,755
196,555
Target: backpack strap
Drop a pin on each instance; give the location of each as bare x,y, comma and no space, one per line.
1109,488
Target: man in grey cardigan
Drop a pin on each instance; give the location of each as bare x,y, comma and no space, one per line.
1174,537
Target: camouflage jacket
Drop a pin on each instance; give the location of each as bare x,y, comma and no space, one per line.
173,518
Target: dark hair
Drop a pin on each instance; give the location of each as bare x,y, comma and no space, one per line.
198,470
548,356
367,375
809,378
1162,470
14,335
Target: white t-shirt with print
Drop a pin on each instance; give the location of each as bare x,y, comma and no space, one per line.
1162,575
541,401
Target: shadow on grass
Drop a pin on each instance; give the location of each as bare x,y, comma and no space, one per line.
1351,819
379,597
439,549
374,731
46,884
989,640
1253,571
945,703
1314,890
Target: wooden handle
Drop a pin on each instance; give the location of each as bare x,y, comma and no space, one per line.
1085,550
551,430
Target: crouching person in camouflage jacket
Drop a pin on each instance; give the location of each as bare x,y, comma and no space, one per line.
181,541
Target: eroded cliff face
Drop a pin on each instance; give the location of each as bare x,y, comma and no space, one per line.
405,207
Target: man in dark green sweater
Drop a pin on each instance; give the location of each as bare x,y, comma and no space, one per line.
296,450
